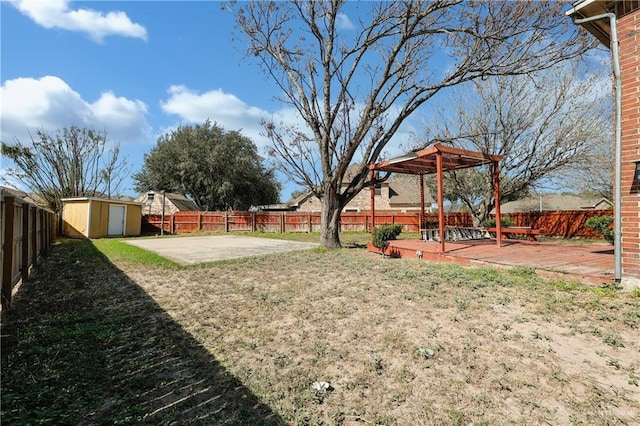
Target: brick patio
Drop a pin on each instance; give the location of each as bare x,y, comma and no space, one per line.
591,264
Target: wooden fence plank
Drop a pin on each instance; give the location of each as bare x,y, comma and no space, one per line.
25,241
7,252
27,232
34,234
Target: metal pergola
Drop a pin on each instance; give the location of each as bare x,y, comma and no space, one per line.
438,159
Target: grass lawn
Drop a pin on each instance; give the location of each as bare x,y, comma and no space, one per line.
106,333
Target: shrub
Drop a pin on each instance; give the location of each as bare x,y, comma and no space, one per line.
384,233
491,222
601,224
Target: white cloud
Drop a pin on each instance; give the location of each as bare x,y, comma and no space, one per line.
98,25
226,109
232,113
49,103
344,23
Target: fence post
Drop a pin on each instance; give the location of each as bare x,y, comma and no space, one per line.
200,221
253,221
34,236
25,241
7,258
45,232
226,222
282,223
172,224
41,232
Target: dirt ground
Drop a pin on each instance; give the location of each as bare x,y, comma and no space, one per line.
308,337
407,342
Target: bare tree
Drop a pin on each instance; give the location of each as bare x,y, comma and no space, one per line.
355,87
546,126
73,162
594,176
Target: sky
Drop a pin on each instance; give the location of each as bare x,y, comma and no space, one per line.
137,70
134,69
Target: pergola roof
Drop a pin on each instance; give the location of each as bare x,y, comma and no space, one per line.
423,162
438,159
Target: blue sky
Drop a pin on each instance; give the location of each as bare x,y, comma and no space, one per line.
135,69
139,69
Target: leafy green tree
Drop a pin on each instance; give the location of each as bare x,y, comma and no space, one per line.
218,169
72,162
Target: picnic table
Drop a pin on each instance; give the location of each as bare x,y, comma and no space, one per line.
520,230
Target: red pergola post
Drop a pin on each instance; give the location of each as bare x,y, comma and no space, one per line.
372,186
496,192
421,201
440,199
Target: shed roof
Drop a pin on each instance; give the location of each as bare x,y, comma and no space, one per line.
108,200
424,161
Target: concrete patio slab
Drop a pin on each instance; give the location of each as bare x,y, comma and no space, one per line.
190,250
591,264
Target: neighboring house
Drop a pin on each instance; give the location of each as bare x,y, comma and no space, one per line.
627,19
124,198
554,202
398,194
278,207
152,203
19,194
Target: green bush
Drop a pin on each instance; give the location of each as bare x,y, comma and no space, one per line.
384,233
601,224
491,222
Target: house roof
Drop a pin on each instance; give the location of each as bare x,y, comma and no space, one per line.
587,8
179,201
14,192
25,197
403,192
425,161
550,202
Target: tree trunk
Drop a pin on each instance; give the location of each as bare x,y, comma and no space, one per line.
330,219
478,215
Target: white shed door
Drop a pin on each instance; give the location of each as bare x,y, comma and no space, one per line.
116,220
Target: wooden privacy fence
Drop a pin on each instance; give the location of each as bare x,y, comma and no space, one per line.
565,223
561,223
27,232
286,221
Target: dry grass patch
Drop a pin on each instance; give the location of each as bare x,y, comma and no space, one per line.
244,341
407,342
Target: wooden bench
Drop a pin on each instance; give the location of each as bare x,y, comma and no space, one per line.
507,230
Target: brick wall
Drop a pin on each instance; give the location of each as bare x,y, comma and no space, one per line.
629,39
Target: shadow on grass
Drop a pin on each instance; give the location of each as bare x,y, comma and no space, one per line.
84,344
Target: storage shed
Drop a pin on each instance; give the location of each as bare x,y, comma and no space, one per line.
98,217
